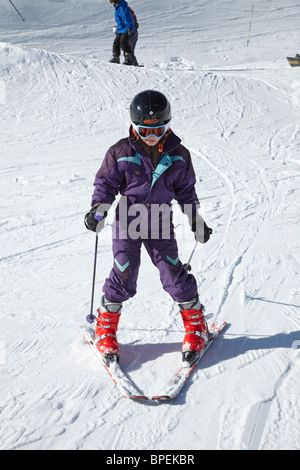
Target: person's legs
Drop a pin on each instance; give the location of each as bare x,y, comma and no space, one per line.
174,278
125,46
118,287
116,50
132,43
183,288
121,283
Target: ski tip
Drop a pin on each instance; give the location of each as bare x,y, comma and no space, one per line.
138,397
161,397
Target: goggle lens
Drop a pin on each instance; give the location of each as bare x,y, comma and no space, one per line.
145,132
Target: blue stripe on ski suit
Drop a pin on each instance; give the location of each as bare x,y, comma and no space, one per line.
165,163
173,261
120,266
136,159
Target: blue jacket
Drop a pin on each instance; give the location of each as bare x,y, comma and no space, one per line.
123,18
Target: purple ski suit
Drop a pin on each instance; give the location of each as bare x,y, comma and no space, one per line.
127,169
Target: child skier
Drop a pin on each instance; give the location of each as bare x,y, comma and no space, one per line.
149,168
124,30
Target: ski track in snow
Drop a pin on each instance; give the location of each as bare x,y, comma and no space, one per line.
241,122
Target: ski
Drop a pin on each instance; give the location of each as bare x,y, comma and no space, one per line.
174,386
123,383
132,65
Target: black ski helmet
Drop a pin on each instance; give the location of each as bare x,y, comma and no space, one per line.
150,108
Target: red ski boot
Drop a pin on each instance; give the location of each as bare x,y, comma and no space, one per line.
196,330
106,330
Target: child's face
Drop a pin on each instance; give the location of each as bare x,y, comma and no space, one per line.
151,140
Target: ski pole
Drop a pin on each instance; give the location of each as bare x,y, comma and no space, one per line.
187,265
23,19
91,318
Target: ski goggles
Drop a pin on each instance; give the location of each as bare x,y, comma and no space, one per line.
146,131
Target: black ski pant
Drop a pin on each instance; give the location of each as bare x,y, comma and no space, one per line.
132,43
121,42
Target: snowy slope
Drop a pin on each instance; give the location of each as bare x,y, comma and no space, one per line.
237,109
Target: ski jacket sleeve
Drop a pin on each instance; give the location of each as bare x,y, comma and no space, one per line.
184,188
108,180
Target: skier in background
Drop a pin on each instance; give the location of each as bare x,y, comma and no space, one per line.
125,29
134,37
147,168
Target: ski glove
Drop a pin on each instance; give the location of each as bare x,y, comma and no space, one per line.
94,220
201,230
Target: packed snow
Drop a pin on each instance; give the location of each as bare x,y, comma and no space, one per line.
237,108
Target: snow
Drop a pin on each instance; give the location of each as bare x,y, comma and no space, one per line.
237,109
